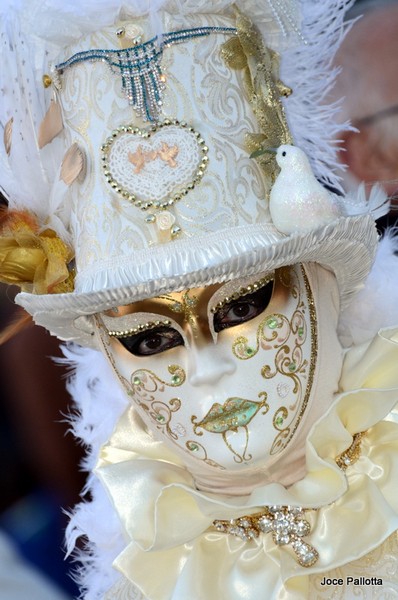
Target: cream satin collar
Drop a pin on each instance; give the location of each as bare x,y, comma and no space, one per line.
170,524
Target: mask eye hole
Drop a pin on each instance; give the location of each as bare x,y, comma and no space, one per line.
243,309
153,341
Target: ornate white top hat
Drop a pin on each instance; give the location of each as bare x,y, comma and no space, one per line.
132,146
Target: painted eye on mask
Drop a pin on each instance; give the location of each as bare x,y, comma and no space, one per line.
243,309
153,341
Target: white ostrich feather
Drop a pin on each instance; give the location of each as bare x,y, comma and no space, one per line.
377,204
307,69
375,307
99,403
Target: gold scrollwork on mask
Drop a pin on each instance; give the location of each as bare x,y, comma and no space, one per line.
234,413
290,362
276,327
186,306
287,337
144,384
201,454
143,378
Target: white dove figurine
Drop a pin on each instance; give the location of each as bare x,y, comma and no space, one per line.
298,202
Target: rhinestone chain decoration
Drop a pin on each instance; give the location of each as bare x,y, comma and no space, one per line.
283,15
286,524
139,67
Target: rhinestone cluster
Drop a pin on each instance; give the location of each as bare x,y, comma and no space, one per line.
146,133
139,67
352,454
286,524
139,329
243,291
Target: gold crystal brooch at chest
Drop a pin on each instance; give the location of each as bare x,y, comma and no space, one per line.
287,524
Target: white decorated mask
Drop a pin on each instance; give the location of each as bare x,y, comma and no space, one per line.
223,373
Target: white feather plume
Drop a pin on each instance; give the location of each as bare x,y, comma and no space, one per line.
99,403
29,175
377,204
375,307
307,69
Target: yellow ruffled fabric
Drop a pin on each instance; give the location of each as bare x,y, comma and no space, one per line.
36,261
172,547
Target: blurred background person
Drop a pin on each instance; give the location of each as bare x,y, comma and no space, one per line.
41,475
20,581
368,82
40,461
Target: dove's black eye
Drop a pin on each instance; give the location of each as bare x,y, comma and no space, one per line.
284,153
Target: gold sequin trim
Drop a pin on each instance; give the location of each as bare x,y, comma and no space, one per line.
139,329
243,291
352,454
259,66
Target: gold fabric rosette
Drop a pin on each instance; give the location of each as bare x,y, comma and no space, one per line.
36,261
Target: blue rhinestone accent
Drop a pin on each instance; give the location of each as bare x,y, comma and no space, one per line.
139,67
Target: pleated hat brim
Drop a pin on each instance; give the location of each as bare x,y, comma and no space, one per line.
346,247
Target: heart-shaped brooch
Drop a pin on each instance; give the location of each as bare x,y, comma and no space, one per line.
154,168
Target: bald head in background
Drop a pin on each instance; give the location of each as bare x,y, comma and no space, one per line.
368,82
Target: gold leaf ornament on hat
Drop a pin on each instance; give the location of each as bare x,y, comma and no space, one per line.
36,261
260,66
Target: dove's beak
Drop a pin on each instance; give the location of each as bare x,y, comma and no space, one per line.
263,151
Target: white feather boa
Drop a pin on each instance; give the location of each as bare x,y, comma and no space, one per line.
375,307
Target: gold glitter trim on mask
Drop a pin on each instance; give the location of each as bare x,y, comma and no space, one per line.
185,306
286,524
144,384
353,452
194,446
286,434
244,291
139,329
142,378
